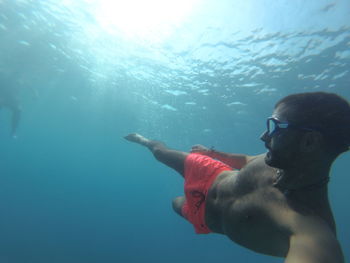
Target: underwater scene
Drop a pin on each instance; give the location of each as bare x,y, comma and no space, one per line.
76,76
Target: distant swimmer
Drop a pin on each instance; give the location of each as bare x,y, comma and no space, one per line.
275,203
328,7
9,92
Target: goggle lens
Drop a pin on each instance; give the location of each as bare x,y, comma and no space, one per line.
271,127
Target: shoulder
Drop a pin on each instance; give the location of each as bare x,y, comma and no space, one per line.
312,240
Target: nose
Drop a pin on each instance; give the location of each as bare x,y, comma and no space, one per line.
264,137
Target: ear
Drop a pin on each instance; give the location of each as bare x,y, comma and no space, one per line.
311,141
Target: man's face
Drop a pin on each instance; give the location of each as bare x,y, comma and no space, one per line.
282,145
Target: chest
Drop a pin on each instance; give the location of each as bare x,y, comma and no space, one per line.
250,212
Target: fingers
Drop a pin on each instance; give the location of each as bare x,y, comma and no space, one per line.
135,137
131,137
199,148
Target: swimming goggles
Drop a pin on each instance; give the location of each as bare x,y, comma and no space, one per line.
274,125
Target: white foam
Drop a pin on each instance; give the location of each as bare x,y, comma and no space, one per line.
23,42
168,107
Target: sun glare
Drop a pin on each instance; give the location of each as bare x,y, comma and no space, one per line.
150,20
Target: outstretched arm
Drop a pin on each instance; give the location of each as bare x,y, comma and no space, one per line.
232,159
172,158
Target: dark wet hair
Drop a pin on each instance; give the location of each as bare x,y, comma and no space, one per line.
326,112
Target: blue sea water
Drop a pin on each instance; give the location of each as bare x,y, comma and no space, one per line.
72,190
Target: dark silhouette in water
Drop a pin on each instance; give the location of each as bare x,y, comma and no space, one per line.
9,99
328,7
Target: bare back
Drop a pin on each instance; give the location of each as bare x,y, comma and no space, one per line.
245,206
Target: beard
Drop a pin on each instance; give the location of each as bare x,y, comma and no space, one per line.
279,159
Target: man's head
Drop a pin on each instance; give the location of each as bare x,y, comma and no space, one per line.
305,126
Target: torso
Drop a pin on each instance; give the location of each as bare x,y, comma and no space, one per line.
245,206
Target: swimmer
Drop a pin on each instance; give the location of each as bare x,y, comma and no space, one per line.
274,203
9,92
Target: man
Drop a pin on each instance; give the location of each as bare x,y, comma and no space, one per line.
9,99
275,203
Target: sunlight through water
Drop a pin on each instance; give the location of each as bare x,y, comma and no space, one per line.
150,21
179,55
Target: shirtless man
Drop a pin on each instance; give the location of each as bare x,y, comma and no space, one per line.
9,99
274,203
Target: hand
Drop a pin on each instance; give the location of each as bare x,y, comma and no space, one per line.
137,138
198,148
133,137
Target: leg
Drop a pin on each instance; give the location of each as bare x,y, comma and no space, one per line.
16,115
13,104
178,203
172,158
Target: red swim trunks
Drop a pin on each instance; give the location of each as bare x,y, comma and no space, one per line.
200,173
